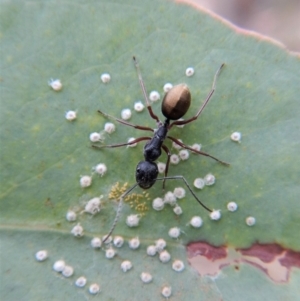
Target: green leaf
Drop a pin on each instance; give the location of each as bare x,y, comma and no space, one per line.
43,155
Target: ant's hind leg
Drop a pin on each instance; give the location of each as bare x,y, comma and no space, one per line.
144,90
195,151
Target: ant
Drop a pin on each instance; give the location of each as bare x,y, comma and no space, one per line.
175,104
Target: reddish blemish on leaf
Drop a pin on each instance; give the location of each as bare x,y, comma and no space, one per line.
272,259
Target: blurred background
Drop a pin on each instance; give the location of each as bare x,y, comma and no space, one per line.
279,19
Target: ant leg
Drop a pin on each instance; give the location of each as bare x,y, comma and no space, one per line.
195,151
168,162
208,97
122,144
144,90
118,212
144,128
188,186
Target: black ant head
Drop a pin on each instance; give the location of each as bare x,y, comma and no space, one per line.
146,174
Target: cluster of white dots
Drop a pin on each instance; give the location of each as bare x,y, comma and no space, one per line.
61,267
67,271
208,180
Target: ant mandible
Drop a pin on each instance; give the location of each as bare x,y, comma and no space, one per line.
175,104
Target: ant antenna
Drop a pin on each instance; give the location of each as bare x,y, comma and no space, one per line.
136,184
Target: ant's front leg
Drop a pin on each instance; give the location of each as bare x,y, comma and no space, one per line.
122,144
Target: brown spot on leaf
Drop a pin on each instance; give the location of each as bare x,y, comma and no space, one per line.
272,259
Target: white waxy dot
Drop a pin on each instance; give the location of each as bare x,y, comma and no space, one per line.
154,96
167,87
80,282
178,266
41,255
126,265
132,220
236,136
166,291
184,154
100,169
158,204
85,181
93,206
151,250
189,71
177,210
70,115
250,221
199,183
174,232
94,289
68,271
196,147
96,242
110,253
170,198
174,159
160,244
146,277
161,167
138,106
196,221
55,84
77,230
164,256
71,216
58,266
232,206
130,140
105,77
109,127
177,146
215,215
95,137
134,243
209,179
179,192
118,241
108,240
180,125
126,114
